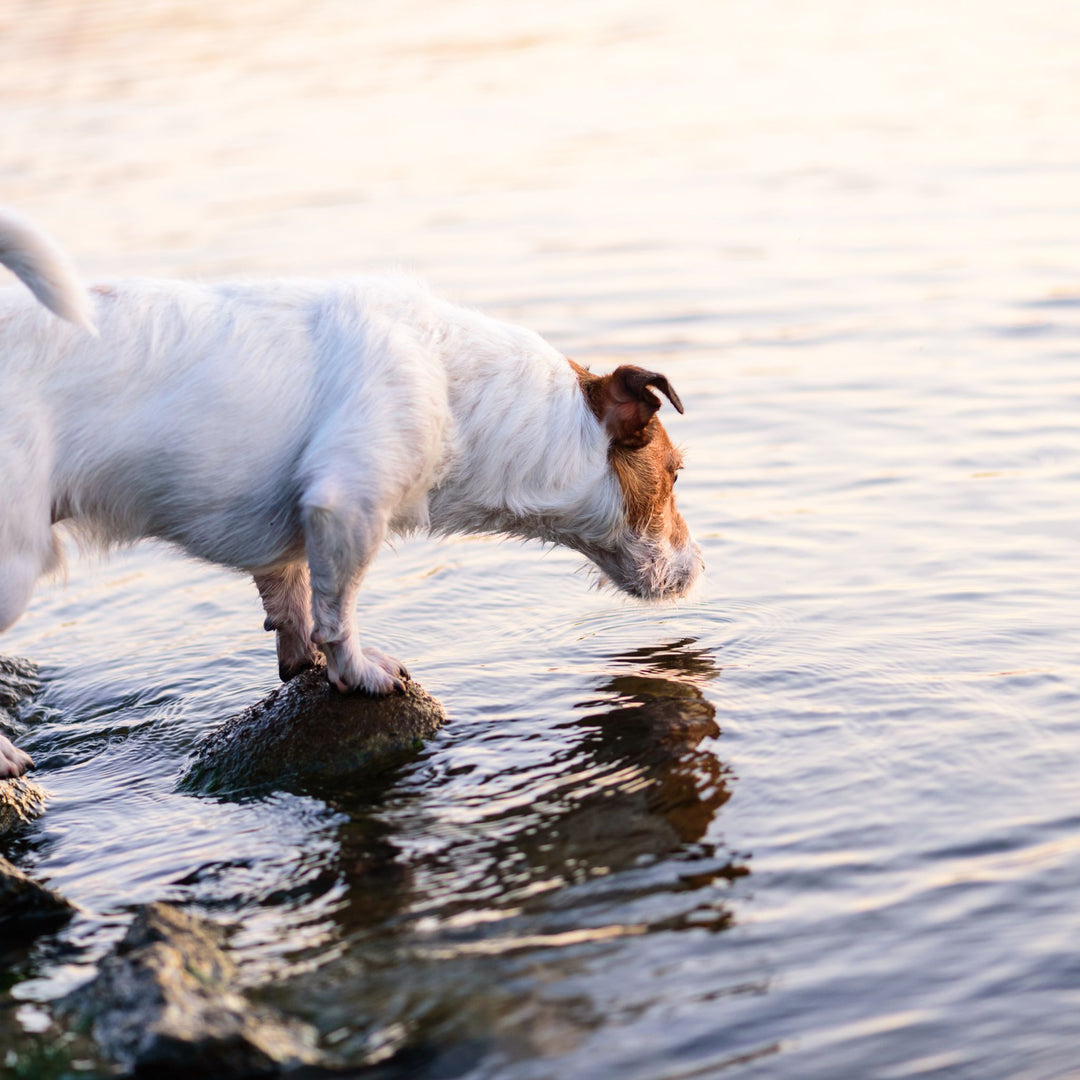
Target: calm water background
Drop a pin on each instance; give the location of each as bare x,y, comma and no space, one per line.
850,235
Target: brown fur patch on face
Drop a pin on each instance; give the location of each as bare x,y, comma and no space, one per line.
647,478
645,471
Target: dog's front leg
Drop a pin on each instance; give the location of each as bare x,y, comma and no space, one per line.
286,597
339,552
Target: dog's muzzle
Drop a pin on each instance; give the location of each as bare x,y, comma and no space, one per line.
651,569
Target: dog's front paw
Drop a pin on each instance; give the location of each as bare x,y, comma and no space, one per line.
394,668
368,671
295,654
13,761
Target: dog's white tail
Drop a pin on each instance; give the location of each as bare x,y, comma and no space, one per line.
45,270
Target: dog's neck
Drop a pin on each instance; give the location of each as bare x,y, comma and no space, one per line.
527,456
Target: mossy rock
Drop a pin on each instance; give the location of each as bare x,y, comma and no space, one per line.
18,680
21,801
305,735
165,1004
29,903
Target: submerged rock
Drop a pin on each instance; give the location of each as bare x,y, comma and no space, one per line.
305,733
29,903
18,681
20,801
163,1004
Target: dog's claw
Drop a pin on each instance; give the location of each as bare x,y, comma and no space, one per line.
364,670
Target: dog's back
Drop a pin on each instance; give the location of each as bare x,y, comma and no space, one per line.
196,412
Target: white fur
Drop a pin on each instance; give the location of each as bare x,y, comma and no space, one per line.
44,268
286,428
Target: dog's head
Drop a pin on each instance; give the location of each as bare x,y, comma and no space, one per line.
651,554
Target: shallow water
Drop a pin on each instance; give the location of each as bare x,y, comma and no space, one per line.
848,234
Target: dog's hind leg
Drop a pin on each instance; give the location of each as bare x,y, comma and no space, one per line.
21,564
28,545
25,554
339,551
286,597
19,570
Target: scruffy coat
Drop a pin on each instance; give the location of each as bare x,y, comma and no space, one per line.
286,428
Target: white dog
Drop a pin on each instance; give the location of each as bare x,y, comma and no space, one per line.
286,428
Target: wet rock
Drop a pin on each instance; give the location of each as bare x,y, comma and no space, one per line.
163,1005
306,734
23,901
20,801
18,681
26,906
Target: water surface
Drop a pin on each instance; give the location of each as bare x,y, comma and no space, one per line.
848,234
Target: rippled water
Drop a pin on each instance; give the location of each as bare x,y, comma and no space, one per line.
848,233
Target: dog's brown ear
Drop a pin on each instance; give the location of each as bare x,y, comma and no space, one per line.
624,404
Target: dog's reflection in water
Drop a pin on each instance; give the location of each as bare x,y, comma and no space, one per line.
639,782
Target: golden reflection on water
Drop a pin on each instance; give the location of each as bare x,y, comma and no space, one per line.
329,137
848,231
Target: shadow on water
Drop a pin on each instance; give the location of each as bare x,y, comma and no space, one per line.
496,935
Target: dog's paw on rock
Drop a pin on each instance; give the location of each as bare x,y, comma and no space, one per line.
20,800
305,735
18,681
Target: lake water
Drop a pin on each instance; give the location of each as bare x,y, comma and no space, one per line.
849,233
